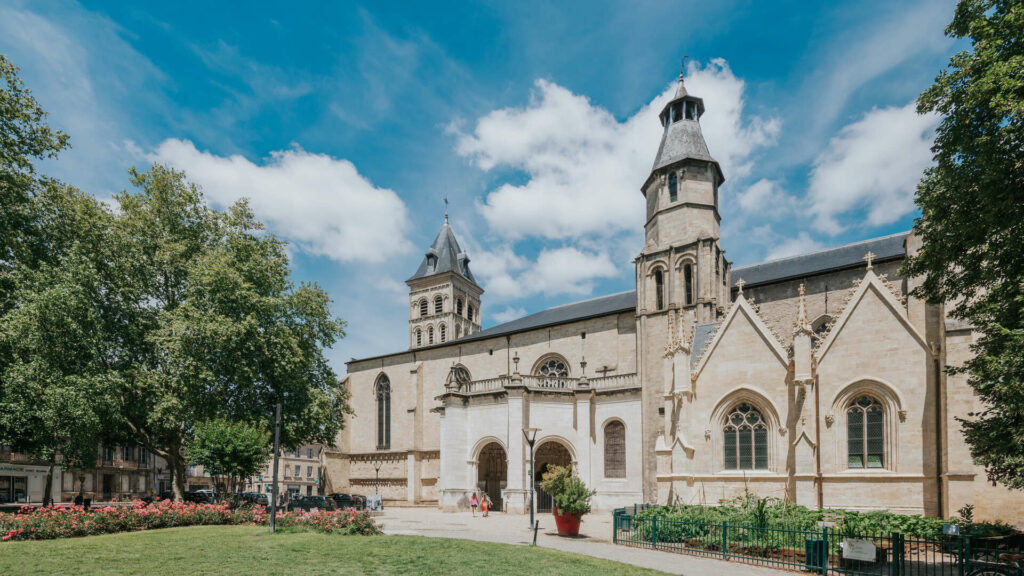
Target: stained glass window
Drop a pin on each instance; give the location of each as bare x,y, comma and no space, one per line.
865,429
383,393
745,439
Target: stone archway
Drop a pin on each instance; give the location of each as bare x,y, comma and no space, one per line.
548,454
492,472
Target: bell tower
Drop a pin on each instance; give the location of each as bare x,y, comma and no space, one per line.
683,223
682,280
444,298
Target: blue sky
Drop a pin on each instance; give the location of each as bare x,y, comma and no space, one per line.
346,124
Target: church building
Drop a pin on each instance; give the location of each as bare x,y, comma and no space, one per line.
817,378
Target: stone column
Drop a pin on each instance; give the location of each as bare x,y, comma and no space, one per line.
412,475
584,397
515,495
454,484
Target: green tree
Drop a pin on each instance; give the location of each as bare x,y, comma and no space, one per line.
214,328
24,138
229,451
972,204
55,385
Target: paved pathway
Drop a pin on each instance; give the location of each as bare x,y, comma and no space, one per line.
594,540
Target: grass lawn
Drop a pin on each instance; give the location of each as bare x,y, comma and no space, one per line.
251,550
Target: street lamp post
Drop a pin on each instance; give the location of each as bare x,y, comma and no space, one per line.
377,464
531,437
277,449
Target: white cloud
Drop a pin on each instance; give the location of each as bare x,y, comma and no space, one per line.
567,270
732,137
584,167
320,203
509,314
764,197
801,244
873,164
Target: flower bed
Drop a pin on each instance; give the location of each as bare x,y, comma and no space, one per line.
68,522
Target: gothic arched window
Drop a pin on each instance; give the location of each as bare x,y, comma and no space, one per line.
458,306
430,335
688,283
469,312
419,337
438,305
745,439
659,290
423,307
673,187
615,450
383,394
865,428
443,333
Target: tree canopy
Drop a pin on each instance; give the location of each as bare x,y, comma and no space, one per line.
229,451
144,325
972,222
214,326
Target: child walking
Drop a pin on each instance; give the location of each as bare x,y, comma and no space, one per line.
473,503
485,504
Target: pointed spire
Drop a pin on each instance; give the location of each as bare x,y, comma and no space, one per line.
681,89
802,321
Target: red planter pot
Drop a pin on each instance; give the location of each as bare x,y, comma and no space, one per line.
568,525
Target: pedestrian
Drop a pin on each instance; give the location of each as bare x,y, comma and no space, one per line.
485,504
473,502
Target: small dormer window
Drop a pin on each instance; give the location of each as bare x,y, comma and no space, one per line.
673,187
431,261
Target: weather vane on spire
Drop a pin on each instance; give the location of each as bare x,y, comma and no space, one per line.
445,208
682,66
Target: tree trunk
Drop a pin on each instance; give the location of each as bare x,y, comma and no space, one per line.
47,498
176,464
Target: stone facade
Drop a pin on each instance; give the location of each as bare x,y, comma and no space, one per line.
821,382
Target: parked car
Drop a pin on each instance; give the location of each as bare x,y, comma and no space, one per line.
254,498
201,496
308,503
345,500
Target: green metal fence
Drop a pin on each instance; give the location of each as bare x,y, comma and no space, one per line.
824,550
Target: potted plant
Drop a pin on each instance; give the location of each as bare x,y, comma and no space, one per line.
570,496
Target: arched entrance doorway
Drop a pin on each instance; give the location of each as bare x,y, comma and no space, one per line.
492,472
548,454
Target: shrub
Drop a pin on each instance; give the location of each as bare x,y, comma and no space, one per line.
752,513
67,522
569,493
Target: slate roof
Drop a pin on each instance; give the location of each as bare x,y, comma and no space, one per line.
682,139
449,256
841,257
572,312
702,334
